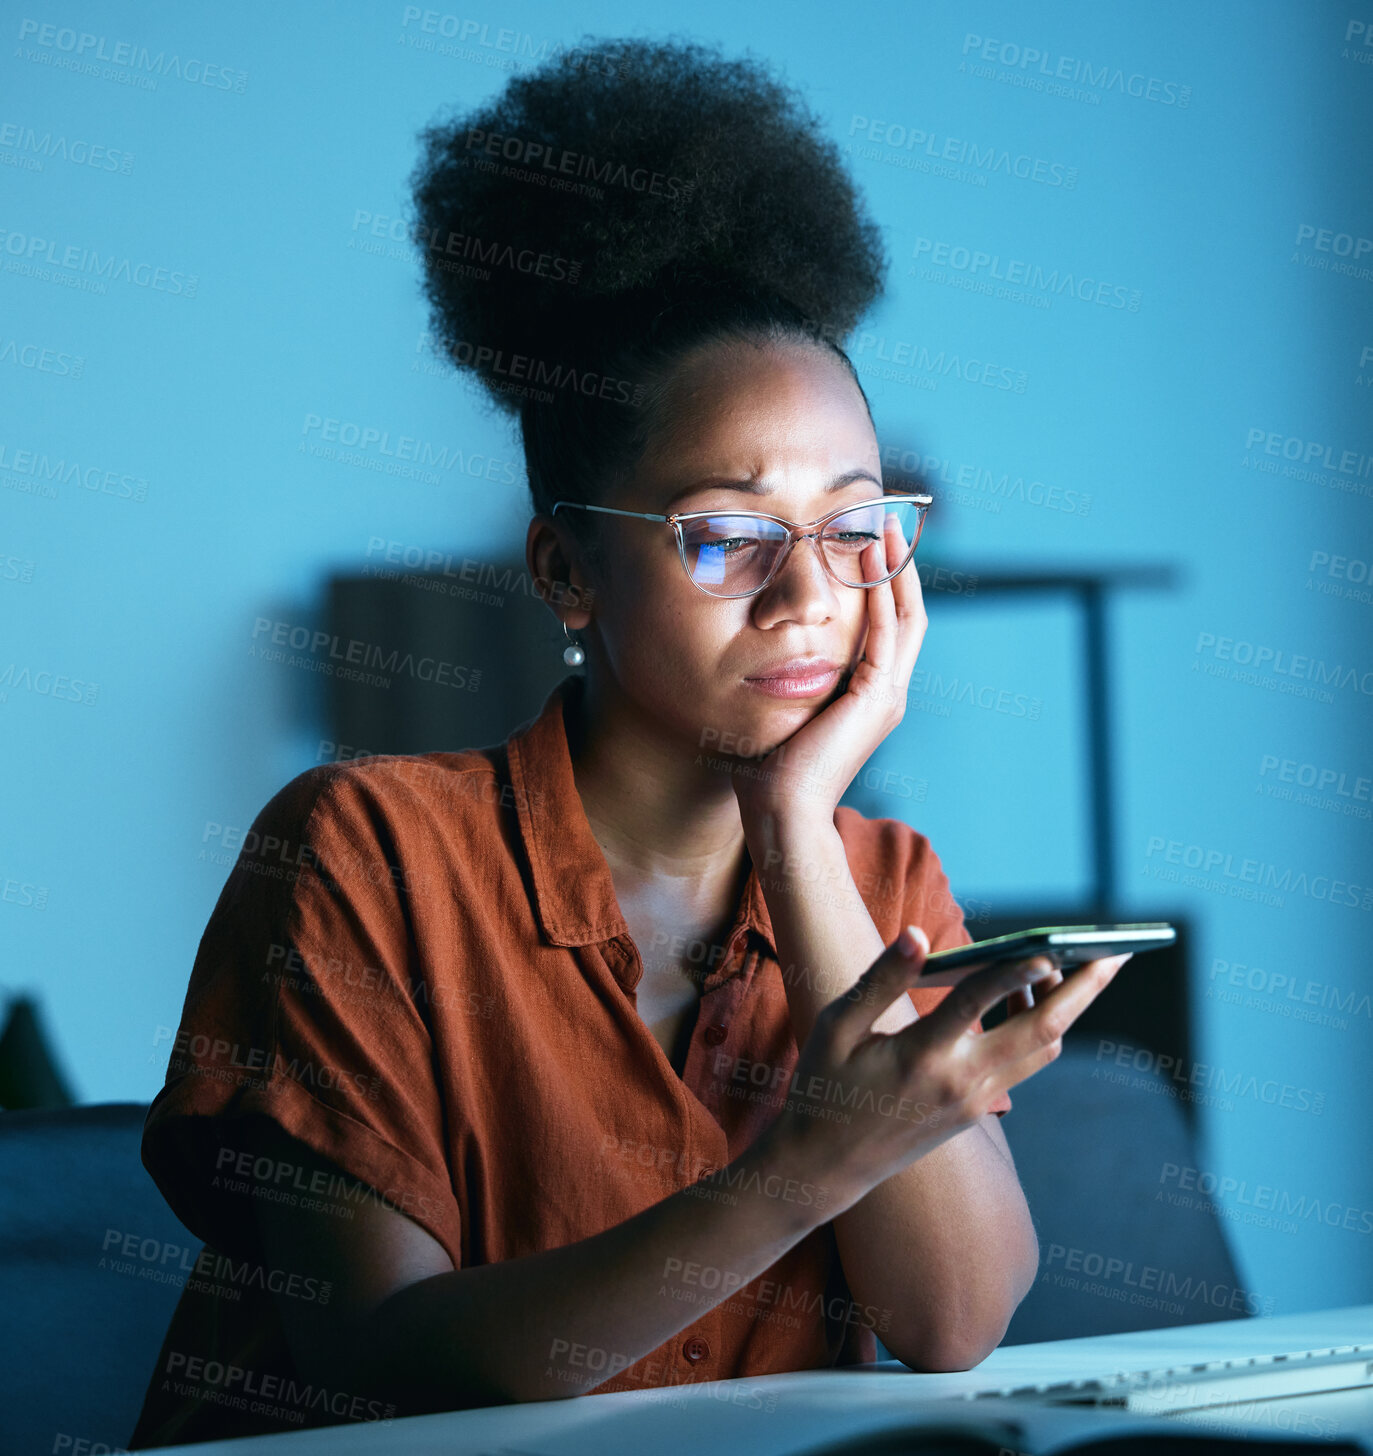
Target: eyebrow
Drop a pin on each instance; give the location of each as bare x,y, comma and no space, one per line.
754,487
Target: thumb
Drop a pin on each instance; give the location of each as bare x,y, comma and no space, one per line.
889,976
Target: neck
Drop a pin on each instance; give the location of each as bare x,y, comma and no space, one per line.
657,814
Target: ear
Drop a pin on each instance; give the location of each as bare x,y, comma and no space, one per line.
559,576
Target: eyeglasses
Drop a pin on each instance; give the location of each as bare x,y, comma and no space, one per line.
737,553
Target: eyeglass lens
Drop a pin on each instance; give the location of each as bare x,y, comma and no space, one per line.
732,554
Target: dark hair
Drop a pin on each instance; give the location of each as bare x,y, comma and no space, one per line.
633,199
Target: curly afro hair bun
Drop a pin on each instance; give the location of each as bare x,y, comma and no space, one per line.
628,199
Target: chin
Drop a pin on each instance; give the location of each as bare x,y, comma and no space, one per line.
772,721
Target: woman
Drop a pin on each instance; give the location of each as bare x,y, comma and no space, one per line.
596,1060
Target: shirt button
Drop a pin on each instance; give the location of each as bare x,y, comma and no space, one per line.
714,1035
696,1349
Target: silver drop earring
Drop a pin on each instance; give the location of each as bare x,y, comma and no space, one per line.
573,655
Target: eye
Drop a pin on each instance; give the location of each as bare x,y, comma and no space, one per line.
851,542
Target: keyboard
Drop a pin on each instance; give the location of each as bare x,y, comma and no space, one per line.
1174,1388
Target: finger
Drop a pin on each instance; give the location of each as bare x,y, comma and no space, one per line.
1025,1040
908,603
959,974
893,543
851,1015
969,1001
1044,1052
880,649
1041,987
1019,1001
1026,999
908,598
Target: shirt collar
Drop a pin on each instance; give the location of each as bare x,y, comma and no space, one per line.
574,893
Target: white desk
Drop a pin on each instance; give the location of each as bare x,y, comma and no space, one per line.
777,1414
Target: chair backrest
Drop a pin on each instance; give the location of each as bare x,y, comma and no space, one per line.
1127,1241
91,1266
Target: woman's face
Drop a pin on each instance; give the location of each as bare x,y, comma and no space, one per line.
744,427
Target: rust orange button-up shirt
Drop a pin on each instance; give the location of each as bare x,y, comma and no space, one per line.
418,967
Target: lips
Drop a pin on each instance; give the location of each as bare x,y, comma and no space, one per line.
797,677
794,669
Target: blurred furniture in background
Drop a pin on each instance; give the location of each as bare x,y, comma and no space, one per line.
1123,1245
29,1075
91,1263
1101,1155
472,620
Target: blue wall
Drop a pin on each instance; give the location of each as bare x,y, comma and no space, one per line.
1130,320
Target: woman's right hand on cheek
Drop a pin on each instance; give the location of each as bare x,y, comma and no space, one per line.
862,1105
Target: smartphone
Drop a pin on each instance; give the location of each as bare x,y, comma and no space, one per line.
1065,945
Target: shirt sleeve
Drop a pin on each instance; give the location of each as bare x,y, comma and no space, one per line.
299,1009
930,904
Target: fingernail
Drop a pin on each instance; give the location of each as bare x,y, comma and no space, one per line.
908,942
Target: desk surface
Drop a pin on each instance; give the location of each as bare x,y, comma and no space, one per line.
776,1415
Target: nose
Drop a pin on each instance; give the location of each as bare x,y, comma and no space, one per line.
801,587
